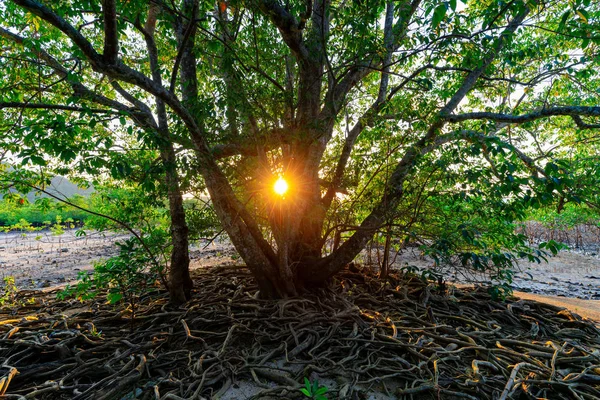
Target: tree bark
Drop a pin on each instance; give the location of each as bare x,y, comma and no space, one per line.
180,282
385,263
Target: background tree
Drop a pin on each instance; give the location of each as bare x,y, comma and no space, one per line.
242,92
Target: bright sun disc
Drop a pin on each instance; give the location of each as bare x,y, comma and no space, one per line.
281,186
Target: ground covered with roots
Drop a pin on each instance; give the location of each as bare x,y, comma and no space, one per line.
360,337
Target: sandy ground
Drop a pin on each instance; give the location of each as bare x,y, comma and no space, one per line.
41,259
568,274
585,308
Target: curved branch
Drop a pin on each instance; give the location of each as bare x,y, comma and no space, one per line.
123,72
47,14
78,88
337,92
288,26
575,112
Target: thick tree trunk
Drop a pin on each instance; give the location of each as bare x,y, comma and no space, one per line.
180,282
245,235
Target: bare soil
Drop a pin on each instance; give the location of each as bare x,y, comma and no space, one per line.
570,274
585,308
360,339
43,259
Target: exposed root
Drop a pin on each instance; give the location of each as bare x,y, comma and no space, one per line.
398,337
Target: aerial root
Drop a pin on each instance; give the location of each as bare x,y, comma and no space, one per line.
359,335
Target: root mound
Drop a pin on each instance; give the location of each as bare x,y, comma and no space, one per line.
361,338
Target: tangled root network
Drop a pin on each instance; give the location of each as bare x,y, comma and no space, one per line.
361,338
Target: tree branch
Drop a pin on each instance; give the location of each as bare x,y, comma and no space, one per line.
337,93
111,35
287,25
575,112
127,74
47,106
395,188
388,40
48,15
364,121
78,88
182,46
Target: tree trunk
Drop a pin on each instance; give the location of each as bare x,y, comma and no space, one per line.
246,237
180,282
385,267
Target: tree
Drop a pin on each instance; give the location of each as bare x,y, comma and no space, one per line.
243,92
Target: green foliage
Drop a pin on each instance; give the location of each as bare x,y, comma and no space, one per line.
202,221
313,390
500,291
125,277
15,209
8,293
567,218
130,205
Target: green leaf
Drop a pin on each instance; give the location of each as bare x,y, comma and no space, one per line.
438,15
585,42
114,297
321,390
563,20
37,160
583,15
306,383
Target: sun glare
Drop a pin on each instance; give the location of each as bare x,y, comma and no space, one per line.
281,186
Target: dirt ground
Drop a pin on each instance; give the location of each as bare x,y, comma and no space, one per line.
41,260
44,260
568,274
586,308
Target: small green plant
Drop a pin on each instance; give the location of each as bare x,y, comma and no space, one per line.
8,294
409,270
95,332
57,229
83,290
313,390
500,291
125,277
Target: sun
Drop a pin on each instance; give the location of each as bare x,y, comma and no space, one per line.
281,186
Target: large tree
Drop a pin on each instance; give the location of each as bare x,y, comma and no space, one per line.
243,92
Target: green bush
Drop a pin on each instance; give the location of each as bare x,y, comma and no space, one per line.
14,209
125,277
